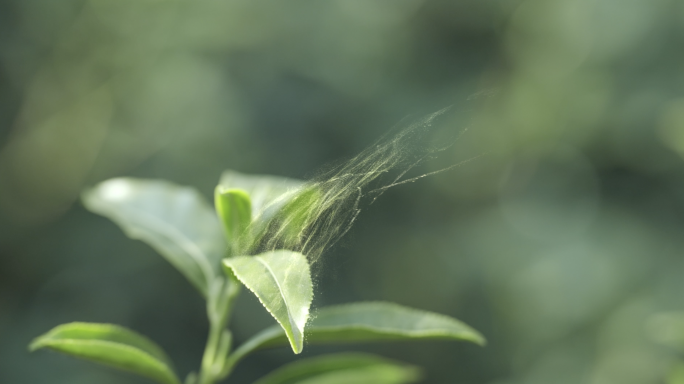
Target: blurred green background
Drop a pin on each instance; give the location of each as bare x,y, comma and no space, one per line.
559,244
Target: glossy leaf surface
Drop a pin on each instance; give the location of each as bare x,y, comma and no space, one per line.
176,221
357,368
282,282
111,345
372,321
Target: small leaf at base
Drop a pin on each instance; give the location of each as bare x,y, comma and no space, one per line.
110,345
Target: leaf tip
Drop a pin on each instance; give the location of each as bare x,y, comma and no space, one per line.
43,340
36,344
479,340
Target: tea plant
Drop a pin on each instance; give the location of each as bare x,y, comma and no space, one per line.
263,234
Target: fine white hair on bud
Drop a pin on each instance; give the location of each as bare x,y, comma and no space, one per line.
318,214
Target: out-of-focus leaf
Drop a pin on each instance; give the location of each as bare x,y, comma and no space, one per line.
191,378
676,375
373,321
268,193
344,368
667,328
176,221
371,375
111,345
235,210
282,282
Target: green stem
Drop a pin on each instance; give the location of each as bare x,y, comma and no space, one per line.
219,305
206,375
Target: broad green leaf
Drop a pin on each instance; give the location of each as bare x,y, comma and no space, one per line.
385,321
111,345
176,221
343,368
234,208
282,282
268,193
372,321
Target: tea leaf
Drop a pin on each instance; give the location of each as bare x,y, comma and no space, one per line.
110,345
372,321
176,221
234,208
282,282
267,193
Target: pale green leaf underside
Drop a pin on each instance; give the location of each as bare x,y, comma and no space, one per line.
344,368
372,321
268,193
282,282
110,345
176,221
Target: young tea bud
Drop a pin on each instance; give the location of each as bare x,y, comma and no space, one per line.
234,208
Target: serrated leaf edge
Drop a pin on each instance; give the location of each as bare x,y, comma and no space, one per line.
296,349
